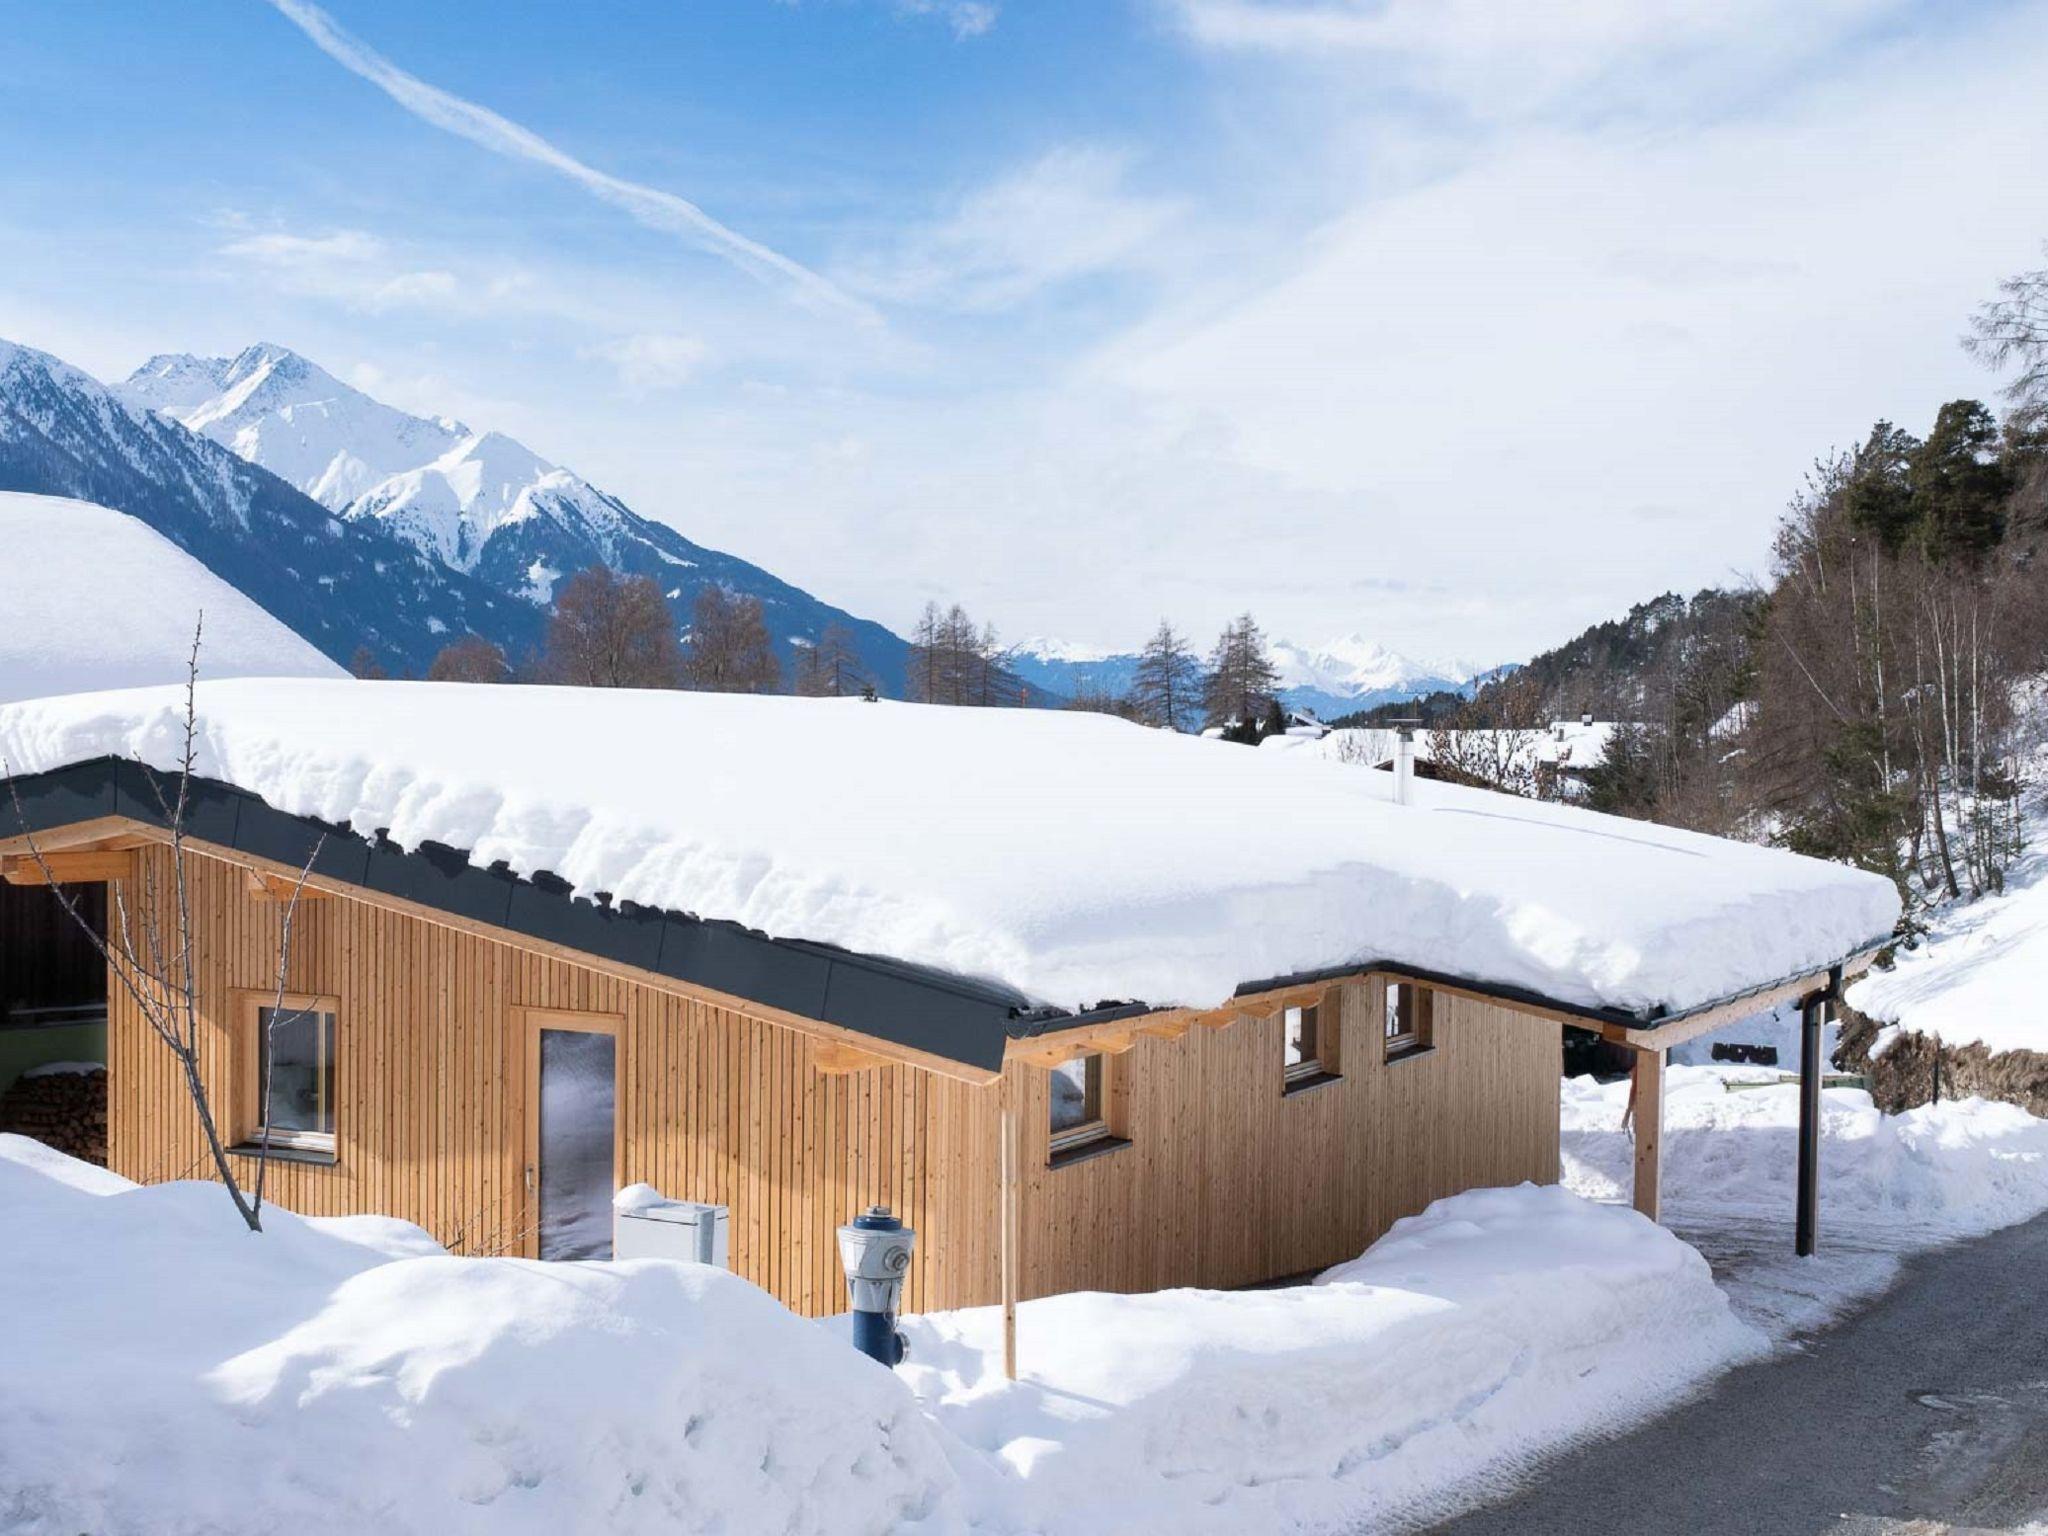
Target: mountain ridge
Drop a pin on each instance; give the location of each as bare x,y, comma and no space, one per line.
477,502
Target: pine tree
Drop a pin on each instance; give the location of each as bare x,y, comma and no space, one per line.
1960,484
1242,679
1166,688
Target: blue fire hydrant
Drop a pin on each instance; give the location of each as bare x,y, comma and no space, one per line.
875,1248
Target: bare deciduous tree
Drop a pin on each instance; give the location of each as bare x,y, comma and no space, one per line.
472,659
155,966
612,631
729,649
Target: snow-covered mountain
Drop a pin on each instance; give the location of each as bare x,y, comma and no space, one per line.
476,502
337,583
1349,673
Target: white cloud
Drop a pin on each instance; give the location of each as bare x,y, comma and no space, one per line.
967,18
349,266
650,362
1066,215
650,206
1497,60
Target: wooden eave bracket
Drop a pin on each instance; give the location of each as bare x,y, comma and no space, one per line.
265,886
83,866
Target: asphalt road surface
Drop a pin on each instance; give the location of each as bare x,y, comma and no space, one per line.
1925,1413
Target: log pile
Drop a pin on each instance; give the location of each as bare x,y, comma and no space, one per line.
65,1110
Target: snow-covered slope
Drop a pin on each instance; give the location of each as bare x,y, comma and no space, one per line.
93,599
1074,857
476,502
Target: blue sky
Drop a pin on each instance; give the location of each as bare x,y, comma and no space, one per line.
1459,324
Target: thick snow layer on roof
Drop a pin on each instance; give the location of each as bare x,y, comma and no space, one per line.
91,598
1076,857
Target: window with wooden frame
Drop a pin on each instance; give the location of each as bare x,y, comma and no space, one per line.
285,1095
1079,1116
1410,1009
1308,1045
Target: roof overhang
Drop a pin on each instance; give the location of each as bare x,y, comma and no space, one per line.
960,1026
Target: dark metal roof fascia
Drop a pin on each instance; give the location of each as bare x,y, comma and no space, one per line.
948,1016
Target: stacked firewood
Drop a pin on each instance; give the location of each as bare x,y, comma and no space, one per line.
65,1110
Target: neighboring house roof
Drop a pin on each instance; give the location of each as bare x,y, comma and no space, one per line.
1024,859
91,598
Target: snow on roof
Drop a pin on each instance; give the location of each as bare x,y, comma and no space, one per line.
1073,856
91,598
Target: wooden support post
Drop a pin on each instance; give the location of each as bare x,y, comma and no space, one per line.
1806,1227
1012,1266
1646,1110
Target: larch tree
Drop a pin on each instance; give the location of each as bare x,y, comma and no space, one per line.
1166,689
730,650
612,631
2012,330
952,661
472,659
831,667
1242,682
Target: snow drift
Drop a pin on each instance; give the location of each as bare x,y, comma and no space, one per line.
91,598
1496,1326
1072,856
169,1372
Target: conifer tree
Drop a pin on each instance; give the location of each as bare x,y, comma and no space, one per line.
1166,688
1242,679
831,668
1960,484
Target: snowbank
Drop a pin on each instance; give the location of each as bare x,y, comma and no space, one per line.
1495,1327
168,1372
1979,975
1072,856
91,598
1890,1184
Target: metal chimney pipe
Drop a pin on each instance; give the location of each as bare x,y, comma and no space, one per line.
1404,760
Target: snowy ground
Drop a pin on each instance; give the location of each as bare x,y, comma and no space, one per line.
1890,1184
167,1372
170,1373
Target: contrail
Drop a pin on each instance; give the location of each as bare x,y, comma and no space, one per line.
481,126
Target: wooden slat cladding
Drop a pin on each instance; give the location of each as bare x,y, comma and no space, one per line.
1225,1180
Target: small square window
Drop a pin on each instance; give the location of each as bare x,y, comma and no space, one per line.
1409,1010
1080,1102
1302,1051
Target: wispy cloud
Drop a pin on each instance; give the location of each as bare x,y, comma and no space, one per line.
967,18
650,206
652,361
1497,60
350,266
1065,215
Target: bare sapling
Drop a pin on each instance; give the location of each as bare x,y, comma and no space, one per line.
151,955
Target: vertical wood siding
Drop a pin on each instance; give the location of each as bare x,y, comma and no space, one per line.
1225,1181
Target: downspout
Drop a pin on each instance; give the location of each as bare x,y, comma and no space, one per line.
1812,1010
